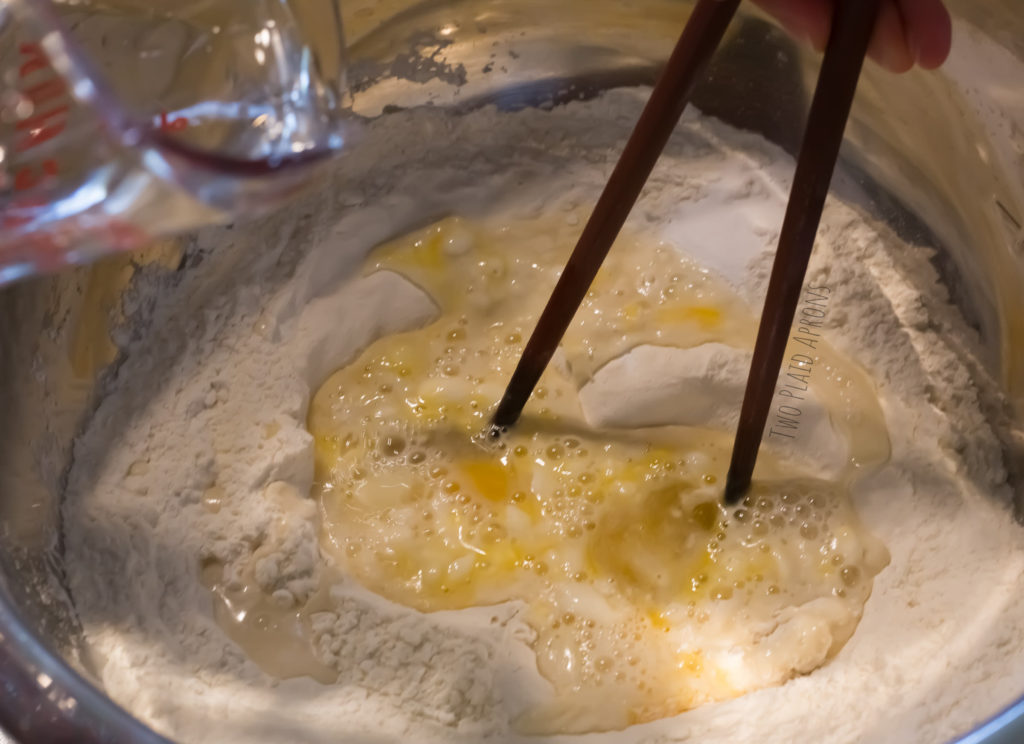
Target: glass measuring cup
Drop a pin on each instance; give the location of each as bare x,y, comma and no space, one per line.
121,120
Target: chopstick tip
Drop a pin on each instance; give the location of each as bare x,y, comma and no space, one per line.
735,489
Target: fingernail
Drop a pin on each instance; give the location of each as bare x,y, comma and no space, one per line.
914,47
894,58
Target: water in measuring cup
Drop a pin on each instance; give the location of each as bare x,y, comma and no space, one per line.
127,119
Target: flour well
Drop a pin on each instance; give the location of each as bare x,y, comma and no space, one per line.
198,455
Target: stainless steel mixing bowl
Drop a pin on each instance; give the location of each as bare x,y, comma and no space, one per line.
940,157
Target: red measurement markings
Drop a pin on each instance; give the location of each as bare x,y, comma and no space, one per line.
47,93
47,249
39,85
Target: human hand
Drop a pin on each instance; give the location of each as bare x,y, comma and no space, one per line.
908,32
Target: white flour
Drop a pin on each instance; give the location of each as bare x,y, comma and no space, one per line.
208,405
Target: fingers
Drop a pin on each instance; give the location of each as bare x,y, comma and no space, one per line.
929,31
908,32
888,45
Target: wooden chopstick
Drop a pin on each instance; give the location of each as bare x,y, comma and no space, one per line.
696,45
852,25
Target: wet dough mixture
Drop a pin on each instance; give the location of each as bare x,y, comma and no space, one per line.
312,540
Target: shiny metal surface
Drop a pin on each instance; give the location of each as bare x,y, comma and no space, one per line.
940,157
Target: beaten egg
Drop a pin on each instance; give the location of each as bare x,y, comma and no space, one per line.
645,596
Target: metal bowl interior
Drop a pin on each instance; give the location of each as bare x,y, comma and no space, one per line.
939,157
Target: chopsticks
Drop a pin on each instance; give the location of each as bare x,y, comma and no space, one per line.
852,24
